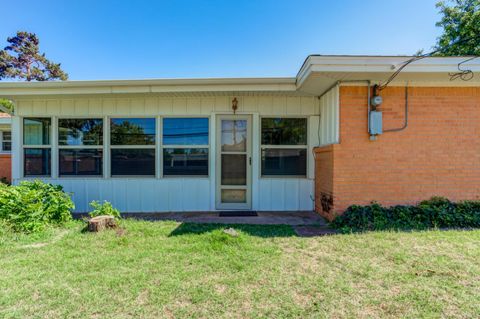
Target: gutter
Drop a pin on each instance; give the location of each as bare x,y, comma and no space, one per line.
286,85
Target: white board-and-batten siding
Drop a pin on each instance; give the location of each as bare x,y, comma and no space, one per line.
329,132
166,194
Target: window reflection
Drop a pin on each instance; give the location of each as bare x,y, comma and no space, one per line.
80,162
132,131
185,131
133,162
284,131
234,135
284,162
185,161
36,131
36,162
80,132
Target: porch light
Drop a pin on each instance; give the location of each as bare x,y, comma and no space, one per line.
234,105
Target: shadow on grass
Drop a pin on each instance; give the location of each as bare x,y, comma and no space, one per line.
264,231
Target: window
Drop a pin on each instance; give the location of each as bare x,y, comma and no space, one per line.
132,131
80,132
36,131
132,146
80,147
185,161
185,142
36,146
80,162
284,146
6,141
37,161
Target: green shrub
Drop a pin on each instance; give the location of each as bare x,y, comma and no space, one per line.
436,212
104,208
32,206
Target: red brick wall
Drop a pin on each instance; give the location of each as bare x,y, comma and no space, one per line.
6,166
437,155
324,180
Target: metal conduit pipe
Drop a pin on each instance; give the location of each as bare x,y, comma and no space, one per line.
369,84
406,115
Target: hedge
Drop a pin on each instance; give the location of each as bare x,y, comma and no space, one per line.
437,212
34,205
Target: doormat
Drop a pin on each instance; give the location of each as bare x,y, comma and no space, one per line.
238,213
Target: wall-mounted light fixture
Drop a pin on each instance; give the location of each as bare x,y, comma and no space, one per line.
234,105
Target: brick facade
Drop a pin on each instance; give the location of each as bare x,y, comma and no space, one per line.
6,166
438,154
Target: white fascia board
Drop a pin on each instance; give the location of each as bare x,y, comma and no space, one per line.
11,89
376,64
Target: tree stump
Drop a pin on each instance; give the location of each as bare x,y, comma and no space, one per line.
100,223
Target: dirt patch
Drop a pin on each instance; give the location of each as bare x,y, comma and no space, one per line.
313,231
40,245
143,297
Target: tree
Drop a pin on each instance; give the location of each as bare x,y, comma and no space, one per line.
7,104
461,27
21,59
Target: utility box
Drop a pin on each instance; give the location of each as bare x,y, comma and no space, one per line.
376,125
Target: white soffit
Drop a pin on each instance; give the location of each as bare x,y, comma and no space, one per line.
319,73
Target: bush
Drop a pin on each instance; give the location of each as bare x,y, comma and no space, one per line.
104,208
32,206
437,212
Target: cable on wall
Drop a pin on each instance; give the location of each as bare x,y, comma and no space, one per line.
463,74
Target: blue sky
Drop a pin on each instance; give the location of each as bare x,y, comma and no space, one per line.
190,39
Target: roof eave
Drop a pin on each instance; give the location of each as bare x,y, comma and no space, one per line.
13,89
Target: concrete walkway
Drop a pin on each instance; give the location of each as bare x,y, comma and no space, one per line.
302,218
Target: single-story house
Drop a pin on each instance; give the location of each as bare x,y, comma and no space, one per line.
333,136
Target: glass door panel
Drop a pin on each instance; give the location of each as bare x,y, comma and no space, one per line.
233,184
234,135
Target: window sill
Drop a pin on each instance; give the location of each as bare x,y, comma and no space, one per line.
284,176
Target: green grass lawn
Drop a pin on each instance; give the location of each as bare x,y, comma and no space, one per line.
172,270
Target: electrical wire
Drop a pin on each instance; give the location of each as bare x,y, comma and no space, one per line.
463,74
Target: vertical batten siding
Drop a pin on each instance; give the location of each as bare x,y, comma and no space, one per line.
178,193
329,117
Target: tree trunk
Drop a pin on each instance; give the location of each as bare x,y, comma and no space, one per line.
100,223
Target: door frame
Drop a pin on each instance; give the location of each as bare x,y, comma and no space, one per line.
218,163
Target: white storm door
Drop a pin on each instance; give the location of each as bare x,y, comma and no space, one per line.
234,162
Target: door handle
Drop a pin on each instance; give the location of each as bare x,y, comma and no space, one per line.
250,161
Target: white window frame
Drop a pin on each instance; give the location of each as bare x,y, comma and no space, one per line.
37,146
204,146
294,147
59,147
111,147
3,140
106,147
